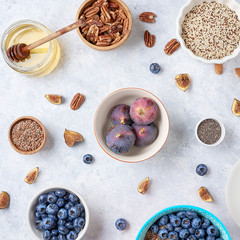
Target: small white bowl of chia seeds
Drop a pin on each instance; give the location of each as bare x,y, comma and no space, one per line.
210,132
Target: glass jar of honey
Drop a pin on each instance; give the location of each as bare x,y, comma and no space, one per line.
42,60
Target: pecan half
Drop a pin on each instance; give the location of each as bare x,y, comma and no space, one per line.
117,39
92,35
171,46
91,11
77,101
121,14
104,28
116,27
100,3
149,39
113,5
85,31
106,14
147,17
125,26
104,40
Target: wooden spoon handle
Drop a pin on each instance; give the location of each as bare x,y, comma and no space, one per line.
79,23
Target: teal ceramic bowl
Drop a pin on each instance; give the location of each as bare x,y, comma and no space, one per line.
216,222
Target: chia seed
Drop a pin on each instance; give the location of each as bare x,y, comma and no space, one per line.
27,135
209,131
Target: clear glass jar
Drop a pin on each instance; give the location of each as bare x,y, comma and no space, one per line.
42,60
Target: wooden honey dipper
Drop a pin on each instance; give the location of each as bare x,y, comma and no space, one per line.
21,51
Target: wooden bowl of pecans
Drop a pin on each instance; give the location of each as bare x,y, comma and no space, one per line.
108,23
27,135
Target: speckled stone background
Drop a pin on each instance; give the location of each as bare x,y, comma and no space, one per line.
109,186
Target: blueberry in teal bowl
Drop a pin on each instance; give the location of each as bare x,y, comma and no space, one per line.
58,213
195,223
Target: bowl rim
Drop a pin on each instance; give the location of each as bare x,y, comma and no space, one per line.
109,95
222,133
10,135
180,39
195,208
49,189
116,45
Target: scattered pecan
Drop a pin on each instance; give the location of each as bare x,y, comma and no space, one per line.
92,35
171,46
149,39
147,17
77,101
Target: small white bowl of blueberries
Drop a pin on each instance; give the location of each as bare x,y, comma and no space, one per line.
58,213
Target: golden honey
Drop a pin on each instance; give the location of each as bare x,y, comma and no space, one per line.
43,59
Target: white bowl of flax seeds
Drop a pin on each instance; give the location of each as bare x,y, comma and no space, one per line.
209,30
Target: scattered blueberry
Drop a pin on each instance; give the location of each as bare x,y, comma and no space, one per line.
200,233
155,68
42,198
79,222
71,235
201,169
60,202
196,223
173,235
73,198
46,235
41,208
63,230
87,158
62,214
169,227
175,221
163,233
52,209
205,223
60,193
154,228
121,224
163,220
186,223
51,197
74,212
184,233
212,231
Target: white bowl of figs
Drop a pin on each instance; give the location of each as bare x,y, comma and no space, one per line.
131,125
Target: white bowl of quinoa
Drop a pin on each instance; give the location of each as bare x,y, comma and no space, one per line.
210,30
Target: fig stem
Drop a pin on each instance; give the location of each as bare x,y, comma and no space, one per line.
141,131
118,135
140,111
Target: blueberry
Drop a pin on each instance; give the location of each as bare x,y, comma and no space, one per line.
71,235
121,224
177,229
155,68
163,220
62,214
219,239
192,231
52,209
87,158
196,223
42,198
68,205
192,237
61,237
60,202
69,219
201,169
54,232
191,214
163,233
200,233
170,216
80,222
169,227
154,228
44,215
74,212
173,235
212,231
48,223
38,215
82,214
61,222
41,207
186,223
69,225
181,214
60,193
210,238
77,229
54,217
175,221
80,207
73,198
63,230
184,233
66,196
205,223
51,197
46,235
38,225
54,238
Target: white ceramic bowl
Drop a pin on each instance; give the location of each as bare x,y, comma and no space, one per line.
232,4
222,133
32,208
102,123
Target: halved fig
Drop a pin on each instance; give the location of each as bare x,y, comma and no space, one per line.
143,186
183,81
236,107
71,137
4,200
53,98
205,194
32,176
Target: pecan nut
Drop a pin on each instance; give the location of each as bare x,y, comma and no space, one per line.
92,35
77,101
100,3
125,26
104,40
105,13
149,39
113,5
91,11
147,17
171,46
